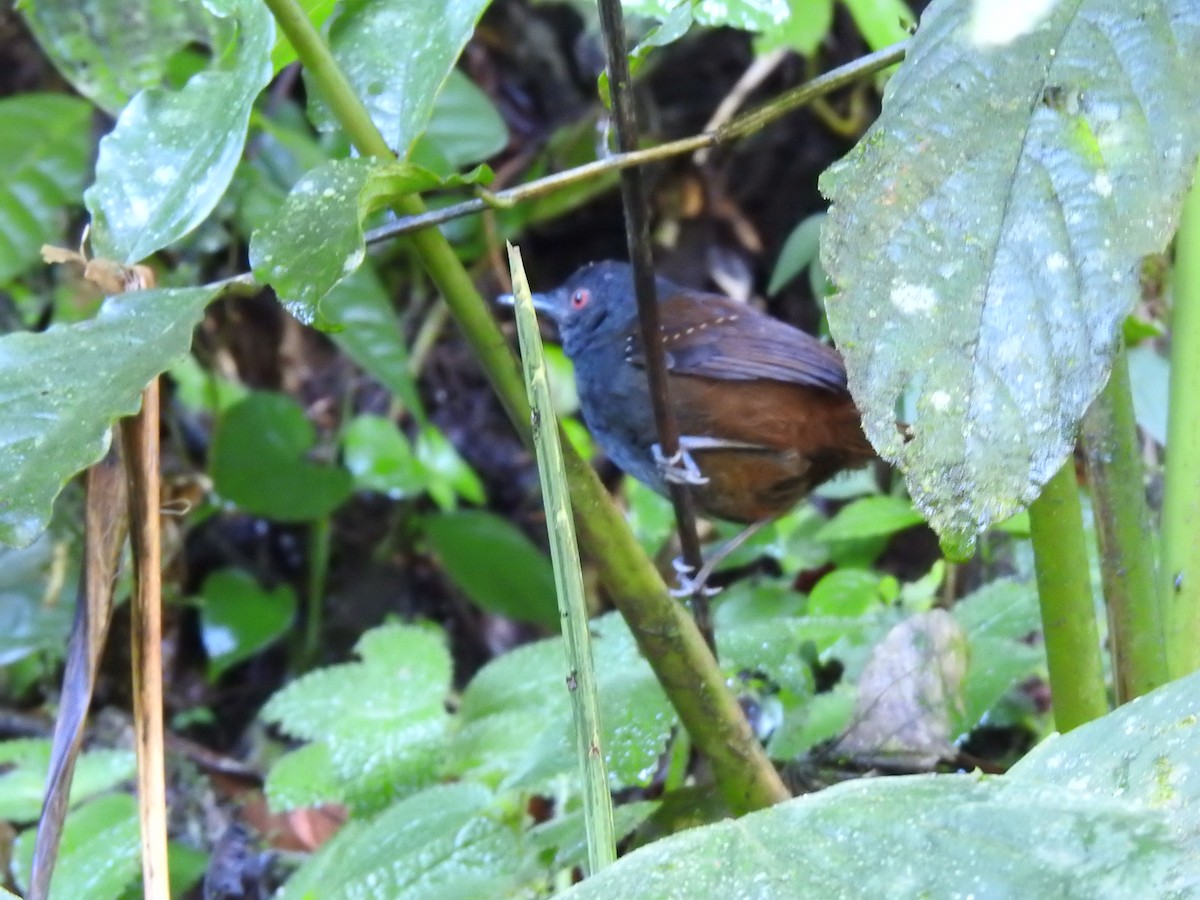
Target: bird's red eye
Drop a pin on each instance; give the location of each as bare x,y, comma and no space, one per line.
580,298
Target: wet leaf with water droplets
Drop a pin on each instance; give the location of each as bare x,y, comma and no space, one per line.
172,154
986,238
61,389
316,240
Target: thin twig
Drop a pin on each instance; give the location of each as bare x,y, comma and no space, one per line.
637,233
831,81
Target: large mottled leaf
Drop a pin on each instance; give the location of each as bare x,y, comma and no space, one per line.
919,836
169,159
1144,752
1108,810
45,140
986,238
61,389
397,54
316,240
110,51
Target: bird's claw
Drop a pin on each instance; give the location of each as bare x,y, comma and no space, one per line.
679,468
689,586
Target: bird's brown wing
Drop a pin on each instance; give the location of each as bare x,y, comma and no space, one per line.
730,341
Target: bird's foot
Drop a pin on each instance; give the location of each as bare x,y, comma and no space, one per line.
691,585
679,468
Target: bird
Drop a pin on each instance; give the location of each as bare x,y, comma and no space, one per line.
763,411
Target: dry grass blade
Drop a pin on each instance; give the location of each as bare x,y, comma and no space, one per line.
142,465
106,527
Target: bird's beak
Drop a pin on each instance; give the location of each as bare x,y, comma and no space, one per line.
543,303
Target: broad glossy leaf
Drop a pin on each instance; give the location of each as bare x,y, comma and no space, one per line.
30,620
238,617
317,239
109,51
397,54
465,127
870,517
172,154
917,836
259,461
45,142
61,389
495,564
1143,753
986,238
368,331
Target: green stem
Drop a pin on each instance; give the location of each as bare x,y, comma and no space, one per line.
1068,614
1180,571
319,536
1135,616
666,635
568,579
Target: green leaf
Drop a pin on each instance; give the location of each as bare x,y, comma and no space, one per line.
870,517
110,51
527,688
23,784
172,154
367,330
1143,754
918,836
99,855
62,389
238,618
804,31
33,619
495,565
397,54
999,620
446,841
564,834
383,719
881,22
449,474
845,592
748,15
259,461
381,459
45,145
986,238
317,239
798,253
304,777
465,126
